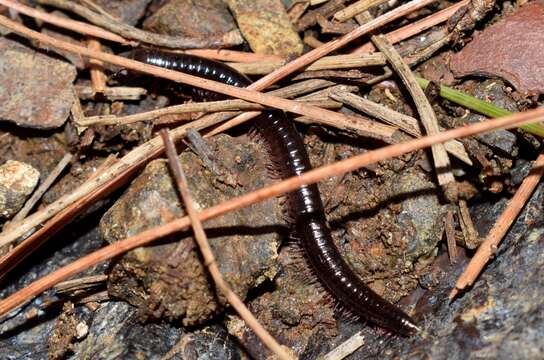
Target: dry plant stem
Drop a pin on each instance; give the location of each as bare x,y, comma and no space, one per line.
327,10
329,27
77,113
467,226
199,107
489,247
374,130
288,91
130,32
321,51
312,41
274,190
77,26
54,225
152,148
296,11
81,283
404,122
37,195
211,106
94,298
98,78
207,253
450,236
111,93
346,348
232,55
356,8
91,5
424,108
348,61
410,30
327,48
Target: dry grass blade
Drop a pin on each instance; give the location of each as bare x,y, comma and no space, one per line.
356,8
327,48
207,253
374,130
133,159
193,107
321,51
114,93
348,61
54,225
450,236
424,108
78,26
81,283
232,55
282,187
346,348
404,122
489,247
410,30
130,32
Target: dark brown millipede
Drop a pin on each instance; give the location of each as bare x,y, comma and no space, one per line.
305,209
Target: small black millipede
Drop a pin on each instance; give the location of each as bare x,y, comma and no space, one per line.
305,210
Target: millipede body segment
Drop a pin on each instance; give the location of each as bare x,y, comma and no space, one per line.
304,206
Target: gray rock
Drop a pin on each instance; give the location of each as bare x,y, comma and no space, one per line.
501,317
117,333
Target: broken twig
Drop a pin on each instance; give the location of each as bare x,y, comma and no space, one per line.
489,247
209,258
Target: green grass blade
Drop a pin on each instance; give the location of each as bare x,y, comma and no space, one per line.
480,106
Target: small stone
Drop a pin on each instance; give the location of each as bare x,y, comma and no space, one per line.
191,18
510,49
17,180
36,90
82,329
266,27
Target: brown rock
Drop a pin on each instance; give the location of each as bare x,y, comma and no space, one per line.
244,242
35,90
191,18
510,49
128,11
266,27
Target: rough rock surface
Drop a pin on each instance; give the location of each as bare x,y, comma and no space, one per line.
501,317
23,337
28,80
31,147
296,313
17,180
494,91
191,18
116,332
244,242
387,219
509,49
266,27
128,11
